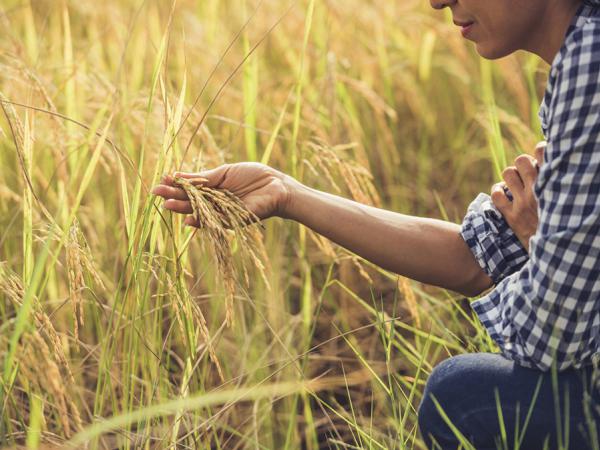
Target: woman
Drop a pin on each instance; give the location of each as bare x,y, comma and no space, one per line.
544,310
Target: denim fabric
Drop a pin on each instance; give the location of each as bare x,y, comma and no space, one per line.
465,387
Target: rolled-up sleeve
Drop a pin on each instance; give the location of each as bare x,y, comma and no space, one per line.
493,243
548,312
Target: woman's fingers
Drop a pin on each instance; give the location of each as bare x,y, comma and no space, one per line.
179,206
176,199
168,189
167,180
521,213
191,222
210,178
513,180
169,192
526,166
500,199
539,152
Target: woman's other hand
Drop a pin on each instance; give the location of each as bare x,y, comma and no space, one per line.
265,191
521,212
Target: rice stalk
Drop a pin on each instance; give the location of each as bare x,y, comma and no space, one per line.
334,160
12,286
42,358
184,306
38,365
410,299
79,259
223,217
361,270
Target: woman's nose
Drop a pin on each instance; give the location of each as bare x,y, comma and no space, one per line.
441,4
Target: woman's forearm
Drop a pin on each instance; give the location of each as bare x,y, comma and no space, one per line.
426,250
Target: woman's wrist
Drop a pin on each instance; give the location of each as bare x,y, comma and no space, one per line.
288,205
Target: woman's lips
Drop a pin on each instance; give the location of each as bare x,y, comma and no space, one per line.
465,28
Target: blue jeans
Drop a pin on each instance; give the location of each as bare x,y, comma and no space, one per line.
472,388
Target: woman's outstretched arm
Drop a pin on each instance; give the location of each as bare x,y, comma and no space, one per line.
427,250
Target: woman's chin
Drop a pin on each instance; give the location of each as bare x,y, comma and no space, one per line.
490,51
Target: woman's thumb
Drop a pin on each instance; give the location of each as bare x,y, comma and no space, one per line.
209,178
539,152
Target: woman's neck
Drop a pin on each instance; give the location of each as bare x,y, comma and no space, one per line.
547,40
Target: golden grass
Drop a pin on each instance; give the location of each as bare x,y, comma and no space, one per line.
112,311
216,213
79,262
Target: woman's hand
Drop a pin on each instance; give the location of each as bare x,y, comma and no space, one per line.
520,213
265,191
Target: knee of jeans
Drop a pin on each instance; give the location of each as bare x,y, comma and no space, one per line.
441,382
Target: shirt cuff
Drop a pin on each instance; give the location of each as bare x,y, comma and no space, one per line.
493,243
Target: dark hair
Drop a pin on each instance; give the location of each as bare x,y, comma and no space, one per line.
591,2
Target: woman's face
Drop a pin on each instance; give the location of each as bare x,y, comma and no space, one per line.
498,27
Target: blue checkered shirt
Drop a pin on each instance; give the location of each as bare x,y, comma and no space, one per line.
545,307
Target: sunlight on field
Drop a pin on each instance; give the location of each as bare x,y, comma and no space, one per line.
113,315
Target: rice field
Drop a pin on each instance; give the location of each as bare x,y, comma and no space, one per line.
121,327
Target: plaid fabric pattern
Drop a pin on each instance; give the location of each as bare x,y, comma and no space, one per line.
545,308
491,240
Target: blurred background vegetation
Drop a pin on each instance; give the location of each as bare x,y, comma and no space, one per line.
103,293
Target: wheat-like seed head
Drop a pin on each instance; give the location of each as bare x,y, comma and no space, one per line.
182,303
223,216
79,259
42,357
39,363
76,281
357,178
12,286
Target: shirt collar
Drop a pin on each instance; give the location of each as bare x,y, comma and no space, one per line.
587,9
